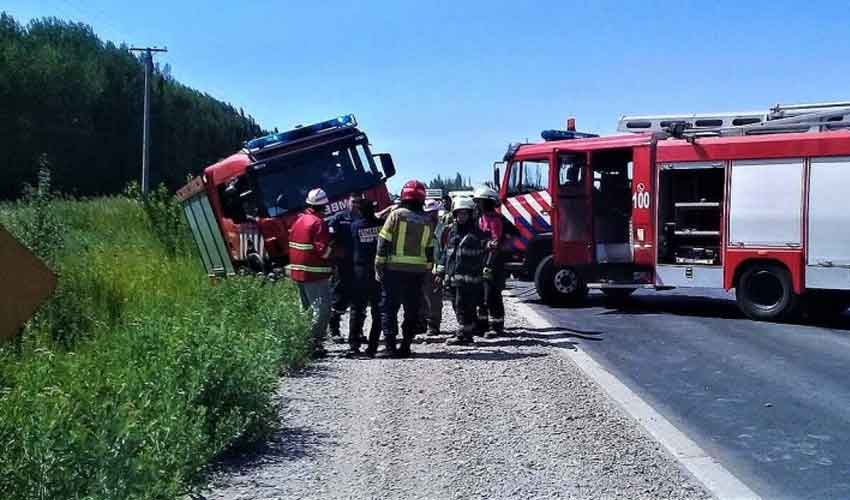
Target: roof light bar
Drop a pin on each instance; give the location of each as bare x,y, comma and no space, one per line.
343,121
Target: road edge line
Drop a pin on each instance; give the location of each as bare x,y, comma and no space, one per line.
716,478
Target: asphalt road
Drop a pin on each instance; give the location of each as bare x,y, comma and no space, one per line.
770,401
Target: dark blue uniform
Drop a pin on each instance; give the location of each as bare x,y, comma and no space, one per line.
341,283
366,291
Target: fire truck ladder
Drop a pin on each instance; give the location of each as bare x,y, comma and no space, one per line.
816,117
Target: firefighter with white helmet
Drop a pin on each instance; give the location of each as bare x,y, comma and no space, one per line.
404,260
461,267
309,266
492,307
432,305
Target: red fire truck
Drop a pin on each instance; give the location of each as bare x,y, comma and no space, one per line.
241,208
753,202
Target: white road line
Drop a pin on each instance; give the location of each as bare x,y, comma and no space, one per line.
716,478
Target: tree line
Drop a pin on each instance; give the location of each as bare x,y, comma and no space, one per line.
73,102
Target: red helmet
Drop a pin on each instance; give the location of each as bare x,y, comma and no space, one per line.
413,190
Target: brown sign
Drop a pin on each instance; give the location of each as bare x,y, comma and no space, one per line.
25,282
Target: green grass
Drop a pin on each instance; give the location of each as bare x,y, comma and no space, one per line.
138,371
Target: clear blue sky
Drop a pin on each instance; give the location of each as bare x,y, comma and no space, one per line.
444,86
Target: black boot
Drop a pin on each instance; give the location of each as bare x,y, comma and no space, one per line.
389,347
404,351
333,326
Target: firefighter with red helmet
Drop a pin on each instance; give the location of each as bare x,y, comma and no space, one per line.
492,307
309,266
404,260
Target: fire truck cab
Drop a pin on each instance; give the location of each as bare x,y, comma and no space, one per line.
241,209
758,208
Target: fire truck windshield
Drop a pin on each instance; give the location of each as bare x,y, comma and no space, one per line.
338,169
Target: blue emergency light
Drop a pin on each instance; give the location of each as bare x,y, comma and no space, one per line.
564,135
301,132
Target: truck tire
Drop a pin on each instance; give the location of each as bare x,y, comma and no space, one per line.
765,292
558,285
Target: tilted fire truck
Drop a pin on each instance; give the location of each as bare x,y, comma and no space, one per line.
755,202
241,208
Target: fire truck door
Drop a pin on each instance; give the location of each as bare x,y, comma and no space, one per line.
828,255
572,224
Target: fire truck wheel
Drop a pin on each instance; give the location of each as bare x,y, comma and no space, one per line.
765,292
558,285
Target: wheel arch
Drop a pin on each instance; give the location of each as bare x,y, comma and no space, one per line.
792,262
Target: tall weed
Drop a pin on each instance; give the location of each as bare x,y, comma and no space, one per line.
137,371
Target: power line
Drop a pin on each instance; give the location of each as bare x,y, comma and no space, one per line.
147,56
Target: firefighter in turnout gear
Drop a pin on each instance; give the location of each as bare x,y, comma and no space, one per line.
432,305
461,268
343,278
490,221
309,266
403,262
365,290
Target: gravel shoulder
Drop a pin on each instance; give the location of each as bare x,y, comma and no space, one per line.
507,418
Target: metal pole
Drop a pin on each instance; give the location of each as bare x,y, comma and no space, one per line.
146,123
147,57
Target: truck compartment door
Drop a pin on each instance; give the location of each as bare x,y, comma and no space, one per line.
572,243
766,199
828,256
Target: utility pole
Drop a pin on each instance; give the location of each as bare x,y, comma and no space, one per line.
147,57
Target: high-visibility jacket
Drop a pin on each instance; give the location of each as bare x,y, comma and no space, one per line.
309,248
405,242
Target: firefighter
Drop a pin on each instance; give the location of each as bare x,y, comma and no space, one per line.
492,307
404,258
461,268
432,310
309,266
366,291
343,278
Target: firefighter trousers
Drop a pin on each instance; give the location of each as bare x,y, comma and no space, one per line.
401,290
492,307
315,297
341,292
432,310
465,300
366,293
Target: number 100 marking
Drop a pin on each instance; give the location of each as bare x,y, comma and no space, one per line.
640,200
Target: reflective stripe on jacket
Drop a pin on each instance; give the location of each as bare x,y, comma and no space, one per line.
464,256
309,248
405,242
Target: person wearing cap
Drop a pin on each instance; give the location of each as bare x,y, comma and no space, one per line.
366,292
461,268
404,260
432,310
492,307
342,281
310,249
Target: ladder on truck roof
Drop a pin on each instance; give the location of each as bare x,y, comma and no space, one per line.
815,117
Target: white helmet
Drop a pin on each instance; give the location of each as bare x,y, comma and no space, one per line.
433,205
463,203
317,197
485,193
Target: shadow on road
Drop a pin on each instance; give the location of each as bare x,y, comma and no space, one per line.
479,354
288,444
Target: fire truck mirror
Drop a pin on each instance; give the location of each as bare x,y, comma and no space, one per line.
497,173
385,162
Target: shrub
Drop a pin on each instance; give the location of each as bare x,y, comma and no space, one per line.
138,371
